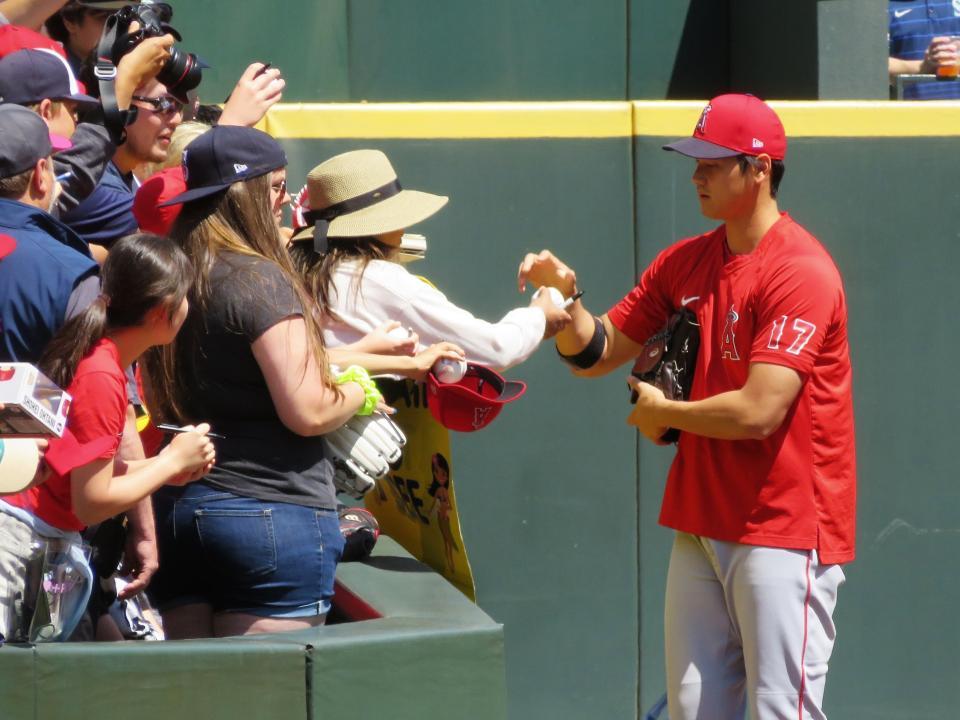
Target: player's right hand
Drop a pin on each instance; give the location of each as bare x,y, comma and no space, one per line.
545,268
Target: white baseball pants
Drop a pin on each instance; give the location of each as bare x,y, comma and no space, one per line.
747,626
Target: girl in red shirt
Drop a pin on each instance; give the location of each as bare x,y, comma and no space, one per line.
143,304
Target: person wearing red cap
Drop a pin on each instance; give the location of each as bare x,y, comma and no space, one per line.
762,490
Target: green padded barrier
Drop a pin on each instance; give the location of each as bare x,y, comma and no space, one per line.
432,654
17,691
212,679
887,211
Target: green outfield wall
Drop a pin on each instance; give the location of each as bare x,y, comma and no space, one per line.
558,501
448,50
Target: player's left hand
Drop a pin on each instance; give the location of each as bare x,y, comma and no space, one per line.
645,411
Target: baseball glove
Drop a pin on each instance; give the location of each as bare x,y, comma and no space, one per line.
669,359
364,450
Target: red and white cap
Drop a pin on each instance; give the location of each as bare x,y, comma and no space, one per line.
474,401
732,125
151,215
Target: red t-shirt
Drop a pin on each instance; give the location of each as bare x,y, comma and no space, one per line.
98,409
784,304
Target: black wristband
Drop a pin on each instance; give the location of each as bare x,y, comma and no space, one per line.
591,354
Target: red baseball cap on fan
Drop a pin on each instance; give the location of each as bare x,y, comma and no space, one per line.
472,403
731,125
14,37
158,188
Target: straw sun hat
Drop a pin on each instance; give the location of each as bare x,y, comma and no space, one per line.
357,194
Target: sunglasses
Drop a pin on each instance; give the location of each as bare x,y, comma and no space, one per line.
165,105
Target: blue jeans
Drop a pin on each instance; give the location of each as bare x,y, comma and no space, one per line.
239,554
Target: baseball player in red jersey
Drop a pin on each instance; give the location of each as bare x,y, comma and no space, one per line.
762,490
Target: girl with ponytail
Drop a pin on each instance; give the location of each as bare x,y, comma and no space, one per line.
143,304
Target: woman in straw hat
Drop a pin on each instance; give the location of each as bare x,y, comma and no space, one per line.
356,215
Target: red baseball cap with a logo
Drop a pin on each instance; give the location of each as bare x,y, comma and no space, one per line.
472,403
732,125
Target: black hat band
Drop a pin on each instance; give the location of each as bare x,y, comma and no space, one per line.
321,219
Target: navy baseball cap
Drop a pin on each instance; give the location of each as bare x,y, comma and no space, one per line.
29,76
224,155
24,139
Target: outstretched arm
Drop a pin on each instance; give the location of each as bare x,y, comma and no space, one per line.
544,268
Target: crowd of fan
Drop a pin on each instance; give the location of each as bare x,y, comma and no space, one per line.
152,271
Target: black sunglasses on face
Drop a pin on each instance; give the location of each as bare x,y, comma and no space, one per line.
165,105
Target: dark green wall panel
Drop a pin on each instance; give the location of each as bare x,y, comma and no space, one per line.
492,50
888,210
306,39
547,494
803,49
383,50
679,49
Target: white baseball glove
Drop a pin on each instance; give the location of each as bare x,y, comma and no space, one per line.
364,450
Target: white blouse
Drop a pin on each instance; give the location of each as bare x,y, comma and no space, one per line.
389,292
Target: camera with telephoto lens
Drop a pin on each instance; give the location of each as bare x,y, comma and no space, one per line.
183,71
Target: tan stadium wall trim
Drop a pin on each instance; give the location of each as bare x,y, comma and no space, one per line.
488,120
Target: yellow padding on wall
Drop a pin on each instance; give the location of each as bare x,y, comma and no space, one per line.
833,118
467,121
450,120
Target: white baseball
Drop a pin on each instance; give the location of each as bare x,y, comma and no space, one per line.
449,371
555,295
398,333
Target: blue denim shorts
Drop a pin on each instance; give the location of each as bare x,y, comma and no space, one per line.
240,554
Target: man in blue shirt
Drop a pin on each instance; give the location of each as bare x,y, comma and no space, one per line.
49,276
922,38
107,214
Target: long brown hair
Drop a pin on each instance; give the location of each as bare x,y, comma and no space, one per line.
141,272
316,270
238,220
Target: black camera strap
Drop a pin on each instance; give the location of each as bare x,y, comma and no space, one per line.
114,119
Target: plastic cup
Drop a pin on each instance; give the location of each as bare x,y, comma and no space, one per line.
951,71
